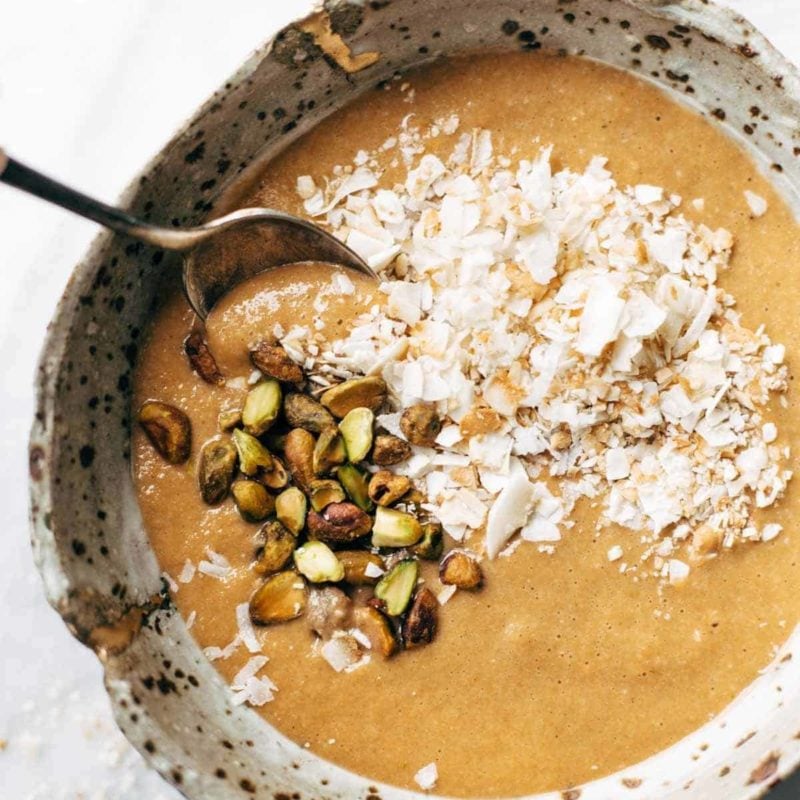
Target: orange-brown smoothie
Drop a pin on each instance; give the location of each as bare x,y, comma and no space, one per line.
560,669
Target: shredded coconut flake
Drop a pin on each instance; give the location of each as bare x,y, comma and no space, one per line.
426,777
572,334
757,204
187,572
615,553
247,632
343,652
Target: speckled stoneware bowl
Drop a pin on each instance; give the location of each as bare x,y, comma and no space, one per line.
99,570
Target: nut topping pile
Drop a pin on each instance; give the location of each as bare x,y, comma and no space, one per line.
341,535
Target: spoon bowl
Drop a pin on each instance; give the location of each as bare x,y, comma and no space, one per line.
216,256
244,243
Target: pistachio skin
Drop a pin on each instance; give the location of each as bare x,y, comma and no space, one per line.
386,488
229,419
273,361
325,492
216,468
355,564
298,450
253,501
202,359
421,424
431,545
389,450
338,524
422,619
302,411
278,546
276,477
168,429
369,392
460,569
378,629
282,597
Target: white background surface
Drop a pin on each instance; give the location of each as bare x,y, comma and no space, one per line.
89,91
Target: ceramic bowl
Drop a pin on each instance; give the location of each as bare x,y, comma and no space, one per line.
98,568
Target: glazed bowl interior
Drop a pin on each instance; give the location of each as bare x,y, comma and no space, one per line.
91,547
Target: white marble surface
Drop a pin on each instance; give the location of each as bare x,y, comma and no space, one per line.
89,90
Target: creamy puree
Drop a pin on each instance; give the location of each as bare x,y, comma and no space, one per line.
559,670
285,294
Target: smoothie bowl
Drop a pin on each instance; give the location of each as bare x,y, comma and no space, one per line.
516,519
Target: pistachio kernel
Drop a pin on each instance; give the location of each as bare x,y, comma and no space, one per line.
419,626
324,492
302,411
201,359
280,598
253,456
276,477
339,523
421,424
329,451
290,509
356,486
386,488
253,501
261,406
357,569
229,419
431,544
378,629
274,361
298,451
394,528
216,469
277,548
389,450
369,392
168,429
396,587
356,429
460,569
318,562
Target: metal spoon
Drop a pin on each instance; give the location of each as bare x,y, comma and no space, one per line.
213,261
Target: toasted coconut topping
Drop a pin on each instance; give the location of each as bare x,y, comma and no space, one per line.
572,337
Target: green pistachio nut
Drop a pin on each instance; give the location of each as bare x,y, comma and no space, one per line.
262,406
318,563
394,528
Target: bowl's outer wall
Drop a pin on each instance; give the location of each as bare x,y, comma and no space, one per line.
90,544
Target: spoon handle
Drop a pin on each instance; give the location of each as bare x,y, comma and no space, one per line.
16,174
